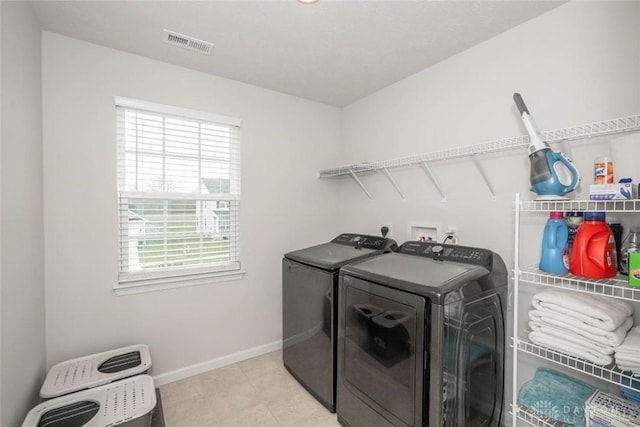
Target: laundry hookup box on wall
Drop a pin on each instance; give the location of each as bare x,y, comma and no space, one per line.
607,410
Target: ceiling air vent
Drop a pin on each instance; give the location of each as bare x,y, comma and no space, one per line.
187,42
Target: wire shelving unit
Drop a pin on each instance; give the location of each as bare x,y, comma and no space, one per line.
614,288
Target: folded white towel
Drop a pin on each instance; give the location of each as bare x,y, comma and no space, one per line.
602,312
628,359
631,344
635,370
570,337
628,366
570,348
607,338
629,355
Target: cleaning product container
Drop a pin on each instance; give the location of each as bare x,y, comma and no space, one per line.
573,220
95,370
603,171
616,228
634,269
594,249
631,244
125,403
554,244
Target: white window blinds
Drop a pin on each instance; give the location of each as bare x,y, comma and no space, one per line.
178,191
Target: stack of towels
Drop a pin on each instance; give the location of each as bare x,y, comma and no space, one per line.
582,325
628,360
628,353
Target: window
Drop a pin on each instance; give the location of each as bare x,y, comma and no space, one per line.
178,196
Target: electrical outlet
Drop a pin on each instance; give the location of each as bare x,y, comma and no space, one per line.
451,235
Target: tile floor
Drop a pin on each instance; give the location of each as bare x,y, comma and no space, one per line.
258,392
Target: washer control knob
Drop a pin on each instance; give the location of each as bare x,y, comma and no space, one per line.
437,249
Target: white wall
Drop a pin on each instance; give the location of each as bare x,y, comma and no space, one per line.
1,346
577,64
22,263
573,65
285,140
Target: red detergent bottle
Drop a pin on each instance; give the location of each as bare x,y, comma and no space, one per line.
594,248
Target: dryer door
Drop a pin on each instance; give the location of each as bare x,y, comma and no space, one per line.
381,339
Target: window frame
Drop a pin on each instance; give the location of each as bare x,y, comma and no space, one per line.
136,282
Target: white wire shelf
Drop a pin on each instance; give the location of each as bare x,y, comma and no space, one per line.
616,287
530,417
629,206
607,373
447,154
606,127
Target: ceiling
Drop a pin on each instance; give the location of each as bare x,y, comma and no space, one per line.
332,51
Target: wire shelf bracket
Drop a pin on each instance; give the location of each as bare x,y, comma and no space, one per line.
483,173
427,170
393,182
357,180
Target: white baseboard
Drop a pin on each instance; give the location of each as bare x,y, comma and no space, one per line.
198,368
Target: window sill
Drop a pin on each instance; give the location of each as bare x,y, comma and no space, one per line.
161,284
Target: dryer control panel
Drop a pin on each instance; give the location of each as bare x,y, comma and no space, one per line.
366,242
456,253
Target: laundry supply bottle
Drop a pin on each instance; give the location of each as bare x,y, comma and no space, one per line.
615,225
594,248
573,220
554,244
602,170
631,244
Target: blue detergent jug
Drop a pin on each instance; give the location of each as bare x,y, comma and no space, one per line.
554,244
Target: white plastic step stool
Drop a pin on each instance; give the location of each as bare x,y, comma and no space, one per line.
125,403
95,370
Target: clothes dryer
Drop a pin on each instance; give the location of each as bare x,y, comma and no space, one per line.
421,338
309,298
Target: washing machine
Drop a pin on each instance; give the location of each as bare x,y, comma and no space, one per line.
309,298
421,338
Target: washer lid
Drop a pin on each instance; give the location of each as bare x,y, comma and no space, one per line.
330,256
346,248
432,278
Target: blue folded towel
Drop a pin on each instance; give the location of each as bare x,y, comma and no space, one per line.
631,398
554,394
633,395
